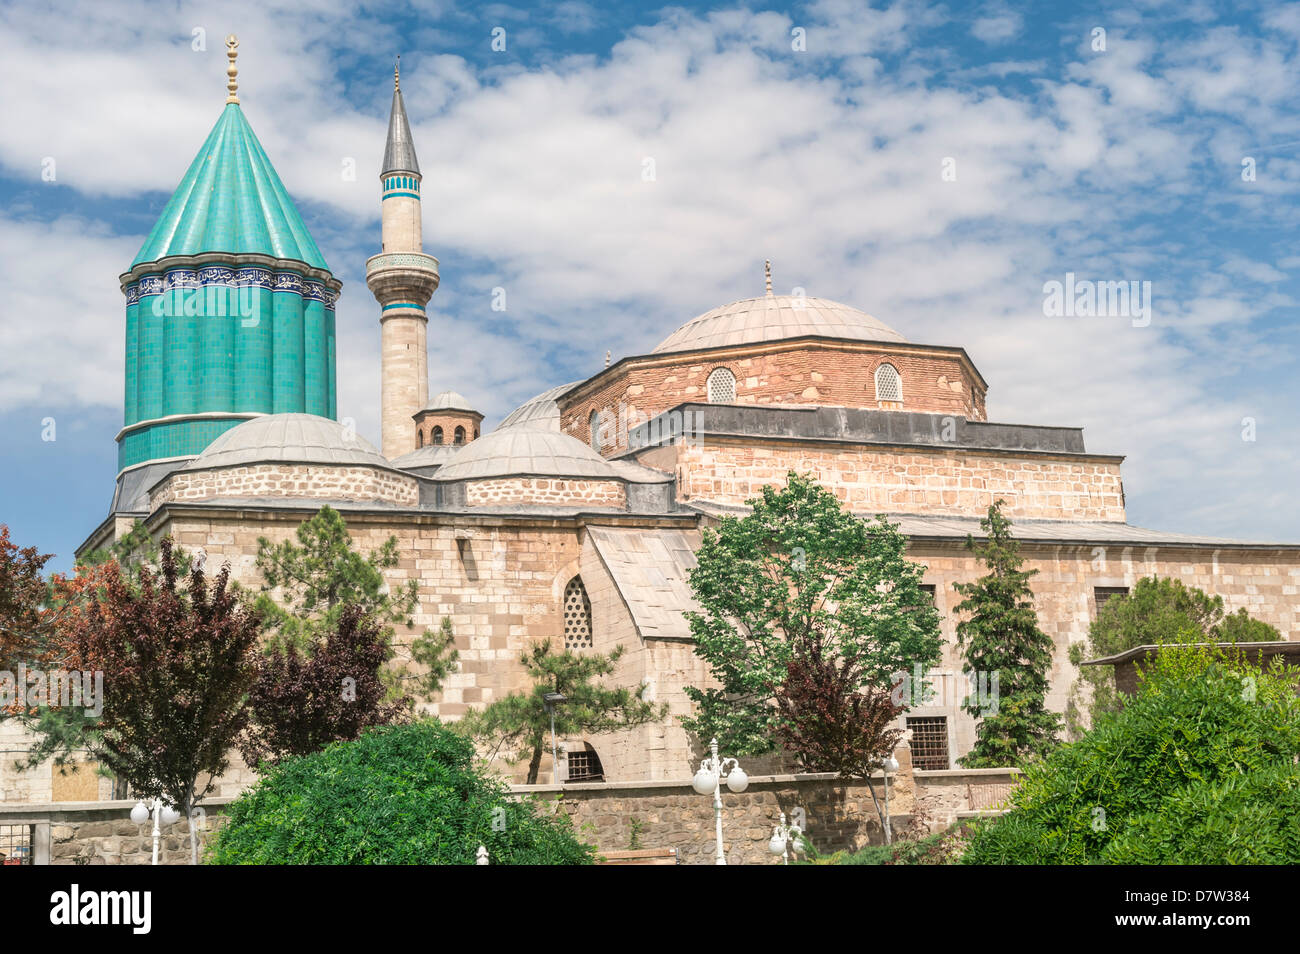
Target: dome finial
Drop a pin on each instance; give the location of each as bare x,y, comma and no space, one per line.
767,275
232,51
397,73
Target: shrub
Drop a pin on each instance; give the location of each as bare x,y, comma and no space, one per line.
1204,723
405,794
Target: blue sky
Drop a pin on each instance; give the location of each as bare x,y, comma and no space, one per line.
1122,163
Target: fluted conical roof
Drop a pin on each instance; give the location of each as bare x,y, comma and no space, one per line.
231,200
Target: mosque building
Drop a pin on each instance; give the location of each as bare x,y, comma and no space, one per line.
577,518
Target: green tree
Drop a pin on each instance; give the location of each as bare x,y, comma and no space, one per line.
1199,766
800,567
1159,610
398,795
519,725
1008,658
307,584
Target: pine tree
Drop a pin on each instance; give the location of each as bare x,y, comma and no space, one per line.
1002,642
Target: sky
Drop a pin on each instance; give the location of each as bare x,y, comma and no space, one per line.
937,166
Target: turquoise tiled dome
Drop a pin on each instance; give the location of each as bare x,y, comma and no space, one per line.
231,200
229,307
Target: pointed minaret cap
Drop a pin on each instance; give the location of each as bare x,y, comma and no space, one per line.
767,275
399,151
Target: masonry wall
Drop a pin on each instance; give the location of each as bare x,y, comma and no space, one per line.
1265,583
544,491
288,480
874,479
835,375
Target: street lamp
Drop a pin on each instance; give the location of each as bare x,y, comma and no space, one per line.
889,765
786,838
162,815
708,781
551,700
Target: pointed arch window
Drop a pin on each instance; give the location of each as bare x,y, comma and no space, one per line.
889,384
437,435
593,424
721,386
577,616
459,436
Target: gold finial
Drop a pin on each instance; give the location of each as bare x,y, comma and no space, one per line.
397,74
232,51
767,275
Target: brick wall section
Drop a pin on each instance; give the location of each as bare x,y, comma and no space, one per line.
905,480
565,492
425,422
840,375
288,480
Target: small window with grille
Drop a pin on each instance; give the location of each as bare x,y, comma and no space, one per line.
577,616
929,742
1102,594
722,386
437,435
16,844
584,766
889,385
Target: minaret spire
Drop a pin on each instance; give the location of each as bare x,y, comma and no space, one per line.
232,51
399,150
403,279
767,275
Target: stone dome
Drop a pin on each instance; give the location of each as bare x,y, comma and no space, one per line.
542,411
773,318
290,438
526,451
450,401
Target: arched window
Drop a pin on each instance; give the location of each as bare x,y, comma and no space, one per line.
889,386
419,438
722,386
577,616
584,765
437,435
593,423
459,436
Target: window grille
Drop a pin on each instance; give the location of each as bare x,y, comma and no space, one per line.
577,616
593,423
1101,594
722,387
584,766
889,386
15,844
437,435
929,742
459,436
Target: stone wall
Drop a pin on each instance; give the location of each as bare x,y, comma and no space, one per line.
102,833
288,480
908,480
544,491
840,374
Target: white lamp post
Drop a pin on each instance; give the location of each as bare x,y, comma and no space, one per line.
551,700
785,838
890,765
708,781
162,815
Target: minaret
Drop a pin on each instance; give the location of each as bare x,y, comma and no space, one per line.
403,280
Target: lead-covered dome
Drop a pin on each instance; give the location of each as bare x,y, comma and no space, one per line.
773,318
290,438
525,451
541,411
